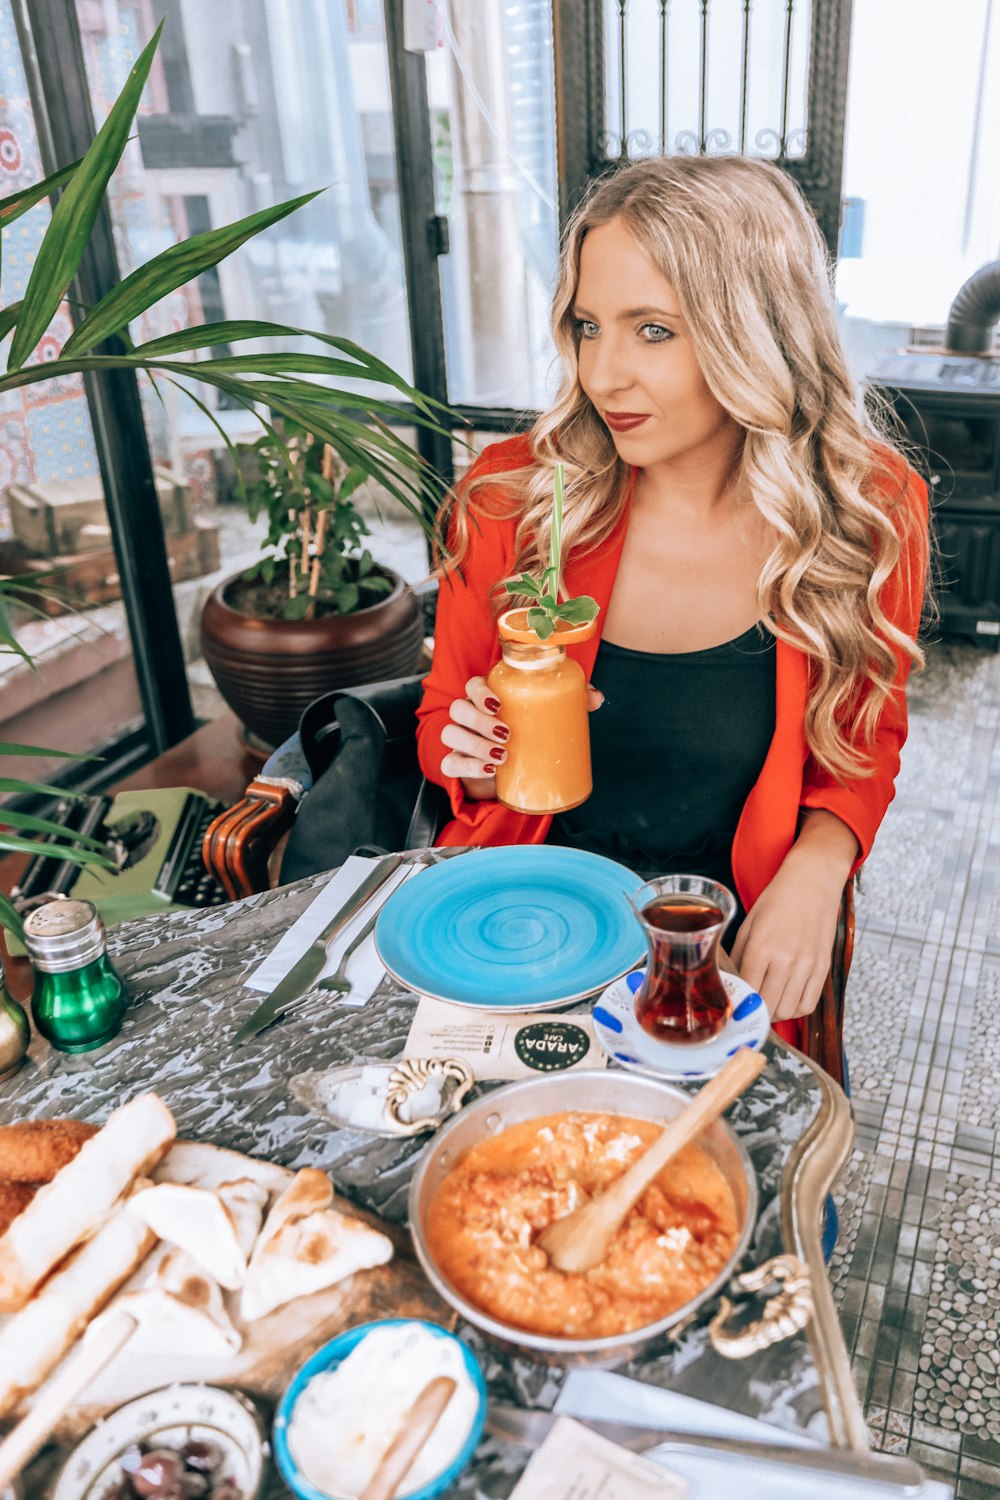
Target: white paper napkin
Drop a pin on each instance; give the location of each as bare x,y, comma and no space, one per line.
599,1394
364,970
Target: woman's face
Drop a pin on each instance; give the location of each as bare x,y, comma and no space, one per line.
637,362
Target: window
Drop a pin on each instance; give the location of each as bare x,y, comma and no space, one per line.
84,692
491,96
250,103
923,155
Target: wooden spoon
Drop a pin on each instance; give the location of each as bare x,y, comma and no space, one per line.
418,1424
581,1239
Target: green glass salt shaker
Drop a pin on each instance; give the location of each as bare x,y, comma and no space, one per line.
78,1001
15,1033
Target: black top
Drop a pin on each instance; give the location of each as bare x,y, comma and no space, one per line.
676,748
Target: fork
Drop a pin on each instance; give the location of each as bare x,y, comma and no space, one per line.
338,983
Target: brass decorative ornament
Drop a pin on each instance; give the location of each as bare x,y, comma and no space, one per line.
784,1314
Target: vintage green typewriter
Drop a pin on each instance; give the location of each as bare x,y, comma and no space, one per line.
154,839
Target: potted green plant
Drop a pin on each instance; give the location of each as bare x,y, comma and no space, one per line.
328,395
316,611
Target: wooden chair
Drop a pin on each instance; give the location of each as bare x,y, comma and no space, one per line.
239,844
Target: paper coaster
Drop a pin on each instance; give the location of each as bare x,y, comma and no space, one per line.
621,1036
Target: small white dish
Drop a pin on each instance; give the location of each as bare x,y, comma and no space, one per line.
168,1418
621,1036
402,1098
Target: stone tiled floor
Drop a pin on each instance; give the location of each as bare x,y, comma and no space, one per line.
917,1270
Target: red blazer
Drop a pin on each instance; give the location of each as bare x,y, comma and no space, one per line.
466,645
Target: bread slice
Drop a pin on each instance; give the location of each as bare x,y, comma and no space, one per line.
305,1245
180,1311
33,1342
69,1208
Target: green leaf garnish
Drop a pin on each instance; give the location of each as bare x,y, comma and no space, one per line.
541,623
549,610
579,611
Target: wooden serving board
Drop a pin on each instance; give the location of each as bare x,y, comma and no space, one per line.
274,1346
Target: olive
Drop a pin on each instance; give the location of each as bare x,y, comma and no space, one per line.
158,1475
204,1458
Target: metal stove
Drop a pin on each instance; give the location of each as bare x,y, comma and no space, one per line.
948,402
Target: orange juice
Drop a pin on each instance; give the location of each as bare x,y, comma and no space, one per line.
543,699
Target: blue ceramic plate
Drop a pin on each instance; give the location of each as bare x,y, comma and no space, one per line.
621,1036
516,928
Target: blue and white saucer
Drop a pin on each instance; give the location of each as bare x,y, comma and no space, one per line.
621,1036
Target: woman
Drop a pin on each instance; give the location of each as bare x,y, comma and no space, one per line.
758,555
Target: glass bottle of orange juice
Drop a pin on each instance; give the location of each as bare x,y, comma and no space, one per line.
543,700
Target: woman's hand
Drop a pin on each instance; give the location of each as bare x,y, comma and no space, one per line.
784,947
476,738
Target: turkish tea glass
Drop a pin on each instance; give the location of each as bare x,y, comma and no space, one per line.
683,998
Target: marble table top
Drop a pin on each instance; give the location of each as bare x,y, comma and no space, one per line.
184,972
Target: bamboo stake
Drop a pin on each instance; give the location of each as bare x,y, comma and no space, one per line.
317,560
292,590
307,515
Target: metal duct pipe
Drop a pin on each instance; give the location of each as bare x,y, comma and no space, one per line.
974,312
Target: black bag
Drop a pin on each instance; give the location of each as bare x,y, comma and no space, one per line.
368,791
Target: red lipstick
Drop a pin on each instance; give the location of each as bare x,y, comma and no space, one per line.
624,421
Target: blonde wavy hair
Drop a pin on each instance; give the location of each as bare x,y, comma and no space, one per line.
738,244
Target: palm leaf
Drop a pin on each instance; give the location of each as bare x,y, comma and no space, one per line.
6,749
13,784
208,412
8,317
16,204
74,215
10,843
238,330
10,918
30,824
166,272
300,400
8,639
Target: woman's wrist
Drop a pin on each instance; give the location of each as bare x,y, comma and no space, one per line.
825,850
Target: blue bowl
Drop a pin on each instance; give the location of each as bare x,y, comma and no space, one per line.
328,1358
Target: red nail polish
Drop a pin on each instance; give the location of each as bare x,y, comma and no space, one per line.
489,770
501,732
498,754
493,705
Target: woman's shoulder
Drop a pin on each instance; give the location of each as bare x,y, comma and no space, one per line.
484,490
504,457
484,511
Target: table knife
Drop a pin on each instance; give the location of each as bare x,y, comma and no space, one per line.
529,1428
313,961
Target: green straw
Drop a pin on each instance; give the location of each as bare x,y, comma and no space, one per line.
555,533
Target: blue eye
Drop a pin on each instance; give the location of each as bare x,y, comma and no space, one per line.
586,329
655,333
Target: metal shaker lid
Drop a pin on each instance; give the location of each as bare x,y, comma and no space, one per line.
63,935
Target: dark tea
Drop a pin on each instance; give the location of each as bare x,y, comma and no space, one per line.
683,998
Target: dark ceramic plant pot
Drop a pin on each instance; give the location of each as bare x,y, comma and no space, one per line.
268,671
